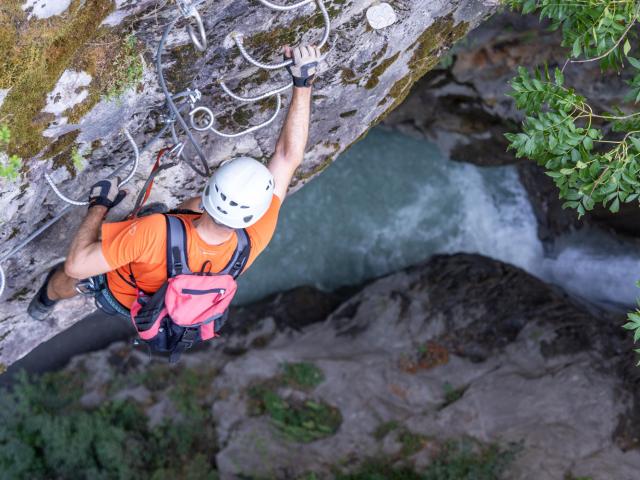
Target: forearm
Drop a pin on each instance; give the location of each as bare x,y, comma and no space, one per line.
87,237
295,132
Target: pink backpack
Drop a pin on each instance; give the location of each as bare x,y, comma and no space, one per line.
189,307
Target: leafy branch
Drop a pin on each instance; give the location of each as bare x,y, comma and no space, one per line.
592,158
559,133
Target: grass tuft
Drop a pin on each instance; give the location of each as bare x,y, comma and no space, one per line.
303,375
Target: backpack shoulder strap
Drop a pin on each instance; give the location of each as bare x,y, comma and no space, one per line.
240,256
177,259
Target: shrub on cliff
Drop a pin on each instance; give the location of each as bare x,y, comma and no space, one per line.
591,156
46,433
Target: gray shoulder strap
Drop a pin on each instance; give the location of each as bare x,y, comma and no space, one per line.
177,260
240,256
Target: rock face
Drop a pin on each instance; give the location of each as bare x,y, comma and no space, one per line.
463,106
79,72
461,346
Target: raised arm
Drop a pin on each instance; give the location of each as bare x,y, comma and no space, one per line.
290,147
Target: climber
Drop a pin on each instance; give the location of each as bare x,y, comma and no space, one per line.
241,194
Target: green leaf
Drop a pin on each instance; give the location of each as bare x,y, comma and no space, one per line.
577,48
615,206
528,6
559,77
627,47
635,62
575,155
554,174
587,143
636,142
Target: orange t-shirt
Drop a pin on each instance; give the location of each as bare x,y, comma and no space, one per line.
140,245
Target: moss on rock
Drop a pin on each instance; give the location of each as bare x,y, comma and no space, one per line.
37,53
377,71
427,50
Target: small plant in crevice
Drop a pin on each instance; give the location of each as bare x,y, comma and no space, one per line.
425,357
385,428
9,164
469,460
298,418
454,460
78,159
128,69
411,442
303,375
452,395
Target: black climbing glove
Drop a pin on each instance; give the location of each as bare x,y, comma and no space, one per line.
305,64
106,193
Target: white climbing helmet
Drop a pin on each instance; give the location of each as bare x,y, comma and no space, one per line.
239,192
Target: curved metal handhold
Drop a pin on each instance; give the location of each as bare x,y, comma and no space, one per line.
136,158
262,96
209,115
60,195
285,8
237,37
2,280
255,127
79,203
200,44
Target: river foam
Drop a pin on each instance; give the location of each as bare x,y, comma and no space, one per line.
392,201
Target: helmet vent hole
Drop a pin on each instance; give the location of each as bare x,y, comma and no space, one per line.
244,206
233,204
216,187
247,219
223,196
222,211
206,191
268,187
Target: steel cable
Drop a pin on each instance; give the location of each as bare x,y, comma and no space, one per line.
79,203
174,110
238,38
